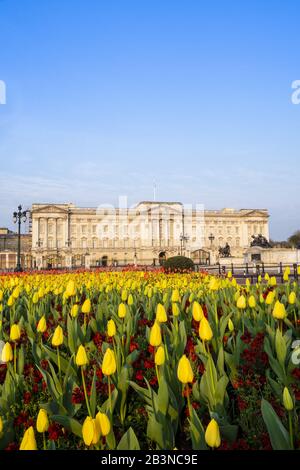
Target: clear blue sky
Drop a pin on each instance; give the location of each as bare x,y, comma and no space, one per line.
103,97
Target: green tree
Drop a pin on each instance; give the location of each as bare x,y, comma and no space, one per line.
294,239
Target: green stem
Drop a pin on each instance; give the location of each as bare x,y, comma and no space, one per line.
44,441
188,400
157,373
15,358
109,394
58,363
85,393
291,429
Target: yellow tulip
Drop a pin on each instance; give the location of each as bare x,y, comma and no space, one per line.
212,434
109,365
197,311
42,325
267,277
229,275
159,357
124,295
28,441
285,276
261,299
70,289
287,400
122,310
130,299
7,353
15,332
88,430
292,298
16,292
1,425
273,281
10,301
230,325
205,331
81,357
161,315
270,297
252,301
175,296
42,422
175,309
155,335
86,307
58,337
104,423
111,328
35,298
74,310
241,302
1,295
279,311
184,370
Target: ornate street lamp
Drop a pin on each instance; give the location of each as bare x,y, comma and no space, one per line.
19,217
211,238
183,239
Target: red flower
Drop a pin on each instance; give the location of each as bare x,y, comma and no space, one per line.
77,395
54,432
139,375
149,364
12,446
27,397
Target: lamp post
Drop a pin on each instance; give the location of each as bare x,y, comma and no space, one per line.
19,217
183,239
211,238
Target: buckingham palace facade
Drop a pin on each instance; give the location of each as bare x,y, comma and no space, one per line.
64,235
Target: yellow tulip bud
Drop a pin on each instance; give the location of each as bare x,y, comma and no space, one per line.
1,295
175,296
184,370
58,337
279,311
35,298
130,299
15,332
259,278
28,441
42,325
285,276
261,299
252,301
161,315
229,275
122,310
109,365
10,301
267,277
292,298
16,292
7,353
270,298
212,434
175,309
205,331
111,328
1,425
88,430
241,302
124,295
42,422
287,400
74,310
70,289
273,281
86,307
159,357
248,283
155,335
81,357
104,423
197,311
230,325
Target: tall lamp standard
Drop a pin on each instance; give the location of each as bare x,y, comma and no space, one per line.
19,217
211,238
183,239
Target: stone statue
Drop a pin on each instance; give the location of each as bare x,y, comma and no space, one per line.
225,251
260,240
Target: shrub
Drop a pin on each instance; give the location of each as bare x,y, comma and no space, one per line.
179,264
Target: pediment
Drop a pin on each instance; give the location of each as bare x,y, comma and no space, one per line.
255,213
50,208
